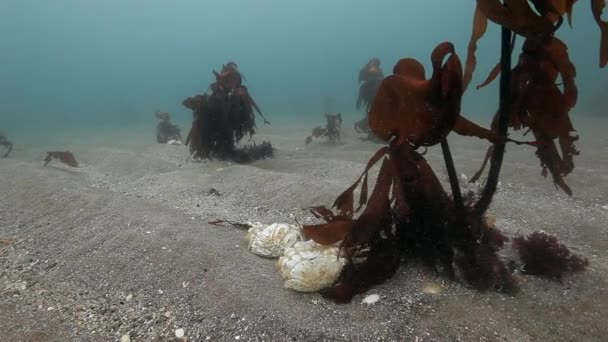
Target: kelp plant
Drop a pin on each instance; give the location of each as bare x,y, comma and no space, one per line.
370,77
7,144
166,130
331,130
223,117
409,212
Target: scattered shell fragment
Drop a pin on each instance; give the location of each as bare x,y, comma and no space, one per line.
129,297
309,266
489,221
272,241
125,338
179,333
432,288
371,299
464,178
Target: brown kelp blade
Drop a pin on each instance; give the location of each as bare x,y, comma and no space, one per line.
416,110
468,128
66,157
411,68
518,16
480,26
553,9
377,213
496,70
557,53
597,7
328,233
345,202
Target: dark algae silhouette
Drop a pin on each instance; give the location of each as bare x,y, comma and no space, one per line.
222,117
370,77
165,129
408,212
331,131
7,144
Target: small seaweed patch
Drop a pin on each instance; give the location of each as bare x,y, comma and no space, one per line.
543,255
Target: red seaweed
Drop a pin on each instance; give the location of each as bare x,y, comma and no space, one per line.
543,255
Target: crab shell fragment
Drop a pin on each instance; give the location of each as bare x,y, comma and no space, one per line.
272,241
310,267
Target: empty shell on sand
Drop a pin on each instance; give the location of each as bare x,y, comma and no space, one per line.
432,288
310,267
272,241
371,299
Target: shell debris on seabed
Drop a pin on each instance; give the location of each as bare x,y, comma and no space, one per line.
272,241
310,267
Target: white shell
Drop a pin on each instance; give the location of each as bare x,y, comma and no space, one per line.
371,299
309,266
174,142
272,241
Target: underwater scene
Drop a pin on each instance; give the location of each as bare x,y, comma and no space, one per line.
281,170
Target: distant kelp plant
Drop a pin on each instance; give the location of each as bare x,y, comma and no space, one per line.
370,77
408,211
7,144
331,131
222,117
165,129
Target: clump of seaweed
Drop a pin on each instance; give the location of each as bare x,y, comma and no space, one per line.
408,211
251,153
66,157
222,117
166,130
543,255
331,130
4,142
370,77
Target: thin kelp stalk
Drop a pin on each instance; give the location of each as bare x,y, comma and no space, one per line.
449,164
503,124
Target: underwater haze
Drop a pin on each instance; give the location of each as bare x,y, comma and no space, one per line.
79,63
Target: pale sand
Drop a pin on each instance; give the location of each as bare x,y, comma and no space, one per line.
90,248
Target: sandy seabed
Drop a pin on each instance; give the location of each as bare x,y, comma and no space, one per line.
121,246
